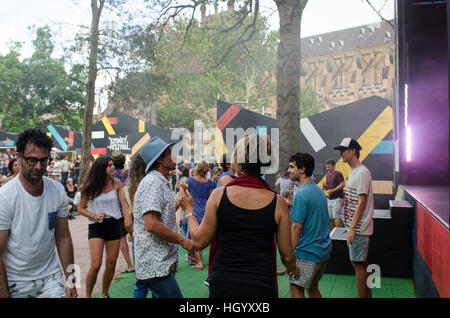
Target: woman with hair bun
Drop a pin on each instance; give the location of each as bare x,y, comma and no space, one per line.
246,216
200,187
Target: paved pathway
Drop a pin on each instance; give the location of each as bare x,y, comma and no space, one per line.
79,231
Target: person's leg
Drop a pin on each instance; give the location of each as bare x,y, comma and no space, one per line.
96,251
112,252
297,291
359,251
313,290
361,279
338,212
330,214
126,253
199,259
140,288
337,222
165,287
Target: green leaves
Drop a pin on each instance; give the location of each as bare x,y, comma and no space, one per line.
38,90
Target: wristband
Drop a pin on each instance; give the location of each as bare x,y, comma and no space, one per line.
190,214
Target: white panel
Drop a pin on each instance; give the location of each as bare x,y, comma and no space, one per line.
98,134
311,135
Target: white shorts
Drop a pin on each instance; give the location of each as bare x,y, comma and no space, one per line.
49,287
335,208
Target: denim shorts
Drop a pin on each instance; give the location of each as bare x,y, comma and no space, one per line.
359,249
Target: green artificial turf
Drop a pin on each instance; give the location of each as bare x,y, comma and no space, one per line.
191,282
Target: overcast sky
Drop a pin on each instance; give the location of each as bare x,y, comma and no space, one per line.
320,16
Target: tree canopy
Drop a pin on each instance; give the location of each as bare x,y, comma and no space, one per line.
38,90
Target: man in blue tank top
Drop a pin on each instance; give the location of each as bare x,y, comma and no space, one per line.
310,228
228,172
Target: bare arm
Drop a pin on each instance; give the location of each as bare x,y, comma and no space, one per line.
82,209
202,234
358,213
4,289
153,225
128,221
339,187
284,241
296,232
64,247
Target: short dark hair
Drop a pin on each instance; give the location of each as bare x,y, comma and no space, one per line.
330,162
357,153
225,162
35,136
303,159
120,164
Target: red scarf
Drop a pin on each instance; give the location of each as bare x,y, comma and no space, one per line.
251,182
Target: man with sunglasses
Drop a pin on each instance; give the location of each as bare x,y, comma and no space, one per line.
33,221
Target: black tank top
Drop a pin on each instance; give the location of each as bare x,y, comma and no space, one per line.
243,263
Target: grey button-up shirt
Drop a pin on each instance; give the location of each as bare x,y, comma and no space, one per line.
153,256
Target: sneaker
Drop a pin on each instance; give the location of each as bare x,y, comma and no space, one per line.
107,296
207,282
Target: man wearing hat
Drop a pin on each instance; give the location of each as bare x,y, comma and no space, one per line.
156,239
120,172
358,212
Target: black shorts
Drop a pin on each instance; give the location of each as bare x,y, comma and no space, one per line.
108,230
123,230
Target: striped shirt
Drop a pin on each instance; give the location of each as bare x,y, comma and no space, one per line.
359,182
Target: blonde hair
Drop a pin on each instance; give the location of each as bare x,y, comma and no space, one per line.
251,153
137,173
201,169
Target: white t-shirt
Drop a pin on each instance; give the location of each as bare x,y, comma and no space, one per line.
359,182
65,165
30,251
57,167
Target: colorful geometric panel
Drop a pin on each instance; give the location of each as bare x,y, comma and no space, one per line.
108,126
58,138
374,134
141,126
139,144
70,141
98,151
433,243
228,116
385,147
113,120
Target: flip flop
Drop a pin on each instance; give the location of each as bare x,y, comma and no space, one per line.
129,271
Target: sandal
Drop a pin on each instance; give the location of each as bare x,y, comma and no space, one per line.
129,271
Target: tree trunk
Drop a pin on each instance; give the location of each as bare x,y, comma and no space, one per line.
90,98
288,79
153,113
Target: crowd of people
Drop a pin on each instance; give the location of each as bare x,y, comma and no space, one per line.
227,206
